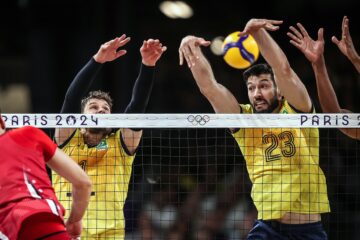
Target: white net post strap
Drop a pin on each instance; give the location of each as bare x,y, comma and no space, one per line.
193,120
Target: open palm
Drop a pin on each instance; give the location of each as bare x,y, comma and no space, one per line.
345,44
110,51
312,49
254,25
151,51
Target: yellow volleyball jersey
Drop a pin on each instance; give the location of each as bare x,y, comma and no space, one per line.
109,168
283,165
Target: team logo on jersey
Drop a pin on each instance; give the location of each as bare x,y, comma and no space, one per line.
284,111
83,165
102,145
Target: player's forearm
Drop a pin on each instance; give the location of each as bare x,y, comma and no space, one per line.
351,132
81,196
142,90
203,75
356,62
220,98
286,79
326,93
272,53
80,86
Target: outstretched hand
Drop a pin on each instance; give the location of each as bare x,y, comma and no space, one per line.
346,44
254,25
190,49
312,49
151,51
109,51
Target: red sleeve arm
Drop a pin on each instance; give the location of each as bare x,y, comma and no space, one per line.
47,146
31,137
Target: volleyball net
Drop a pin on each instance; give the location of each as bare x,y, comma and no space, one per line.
193,178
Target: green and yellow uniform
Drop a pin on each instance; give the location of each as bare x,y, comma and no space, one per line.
109,168
283,166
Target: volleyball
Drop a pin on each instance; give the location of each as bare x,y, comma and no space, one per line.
240,52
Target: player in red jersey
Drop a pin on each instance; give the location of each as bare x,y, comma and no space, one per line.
29,208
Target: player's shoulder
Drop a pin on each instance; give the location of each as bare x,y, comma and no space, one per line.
32,130
28,132
288,108
246,108
115,132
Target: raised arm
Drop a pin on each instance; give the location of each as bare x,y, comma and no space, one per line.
314,52
290,85
221,99
82,82
151,51
346,44
81,189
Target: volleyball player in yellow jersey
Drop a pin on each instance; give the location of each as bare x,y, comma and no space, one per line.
314,52
289,188
106,155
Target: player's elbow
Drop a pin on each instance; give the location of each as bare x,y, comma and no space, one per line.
205,91
283,69
209,90
353,133
83,183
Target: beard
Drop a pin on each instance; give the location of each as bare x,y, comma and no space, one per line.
104,131
272,103
93,136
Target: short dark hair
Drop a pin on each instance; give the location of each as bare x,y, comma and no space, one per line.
98,94
258,69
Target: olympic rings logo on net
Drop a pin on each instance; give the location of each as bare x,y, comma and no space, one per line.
198,119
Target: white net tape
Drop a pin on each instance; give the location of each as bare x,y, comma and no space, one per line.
193,120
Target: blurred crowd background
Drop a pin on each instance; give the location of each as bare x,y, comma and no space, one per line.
186,184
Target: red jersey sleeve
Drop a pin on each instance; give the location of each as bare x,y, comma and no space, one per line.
31,137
